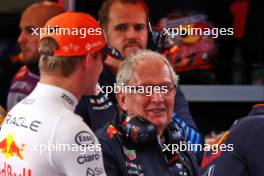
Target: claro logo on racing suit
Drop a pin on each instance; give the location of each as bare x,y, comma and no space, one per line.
87,158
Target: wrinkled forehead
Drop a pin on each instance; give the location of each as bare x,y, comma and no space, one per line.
120,13
151,72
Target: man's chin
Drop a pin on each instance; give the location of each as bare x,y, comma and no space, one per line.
28,59
159,121
131,50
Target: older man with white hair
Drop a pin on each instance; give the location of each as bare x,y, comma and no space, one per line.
133,143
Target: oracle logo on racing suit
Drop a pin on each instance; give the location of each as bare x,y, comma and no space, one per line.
21,122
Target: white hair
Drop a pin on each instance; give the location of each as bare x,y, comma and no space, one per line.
126,68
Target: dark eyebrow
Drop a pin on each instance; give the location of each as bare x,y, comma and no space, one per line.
140,24
120,25
126,24
29,27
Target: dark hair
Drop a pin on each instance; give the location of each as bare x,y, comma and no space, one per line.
105,8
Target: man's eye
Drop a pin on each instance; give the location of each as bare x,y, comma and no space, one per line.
140,27
29,30
121,28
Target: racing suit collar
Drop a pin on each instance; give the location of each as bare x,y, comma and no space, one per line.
67,98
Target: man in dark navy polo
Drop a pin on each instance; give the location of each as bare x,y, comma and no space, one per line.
241,150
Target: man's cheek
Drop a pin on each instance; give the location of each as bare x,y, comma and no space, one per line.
145,40
170,107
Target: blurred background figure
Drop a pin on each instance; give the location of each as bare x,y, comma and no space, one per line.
2,115
25,80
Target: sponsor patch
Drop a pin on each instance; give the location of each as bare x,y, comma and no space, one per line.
84,138
9,148
130,154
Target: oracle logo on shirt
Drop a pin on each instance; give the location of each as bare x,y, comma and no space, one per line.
22,122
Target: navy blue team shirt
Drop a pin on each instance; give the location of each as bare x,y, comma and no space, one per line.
247,157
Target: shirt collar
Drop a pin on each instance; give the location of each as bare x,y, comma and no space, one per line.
67,98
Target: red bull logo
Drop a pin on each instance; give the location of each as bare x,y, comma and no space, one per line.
9,148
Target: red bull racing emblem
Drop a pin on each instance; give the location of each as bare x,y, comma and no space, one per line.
208,159
9,148
111,131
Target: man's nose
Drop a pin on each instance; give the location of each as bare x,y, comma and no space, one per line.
157,97
22,37
132,33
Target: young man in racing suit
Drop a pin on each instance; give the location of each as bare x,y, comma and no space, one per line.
41,135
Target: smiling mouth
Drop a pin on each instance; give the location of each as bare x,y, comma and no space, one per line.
157,110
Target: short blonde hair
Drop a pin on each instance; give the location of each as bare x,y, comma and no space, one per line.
49,64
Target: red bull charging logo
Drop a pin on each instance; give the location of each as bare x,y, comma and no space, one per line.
9,148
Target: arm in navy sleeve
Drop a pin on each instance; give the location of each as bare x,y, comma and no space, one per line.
182,109
247,156
192,136
82,110
113,161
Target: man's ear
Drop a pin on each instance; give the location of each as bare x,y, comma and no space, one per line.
88,60
121,100
104,33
